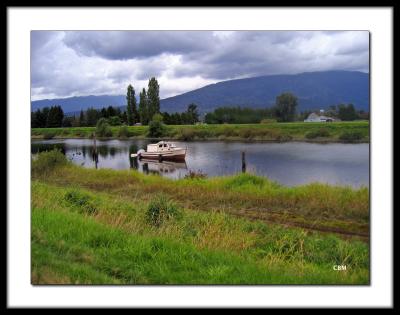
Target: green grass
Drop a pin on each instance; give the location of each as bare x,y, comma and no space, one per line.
108,227
296,131
315,206
116,245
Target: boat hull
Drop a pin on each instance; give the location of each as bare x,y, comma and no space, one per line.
176,155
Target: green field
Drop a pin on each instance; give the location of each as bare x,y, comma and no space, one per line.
357,131
92,227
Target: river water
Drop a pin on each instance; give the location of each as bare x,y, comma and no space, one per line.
289,163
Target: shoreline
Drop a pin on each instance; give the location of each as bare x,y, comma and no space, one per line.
319,141
339,132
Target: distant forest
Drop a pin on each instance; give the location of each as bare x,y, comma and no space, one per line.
285,110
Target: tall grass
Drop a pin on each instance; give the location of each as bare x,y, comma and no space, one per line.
320,206
118,245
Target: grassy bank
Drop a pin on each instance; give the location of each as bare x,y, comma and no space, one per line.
92,226
357,131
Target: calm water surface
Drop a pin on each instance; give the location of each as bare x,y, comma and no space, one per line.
290,163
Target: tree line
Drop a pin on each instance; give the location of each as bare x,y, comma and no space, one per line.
284,110
142,113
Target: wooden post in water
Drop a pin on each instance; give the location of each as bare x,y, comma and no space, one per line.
243,162
95,156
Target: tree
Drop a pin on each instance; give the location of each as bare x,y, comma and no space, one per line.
285,107
38,119
44,115
92,115
124,117
156,127
347,112
192,115
55,117
153,97
131,110
114,121
143,107
103,113
103,128
111,111
67,121
81,120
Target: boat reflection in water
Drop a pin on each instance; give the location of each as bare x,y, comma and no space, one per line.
162,168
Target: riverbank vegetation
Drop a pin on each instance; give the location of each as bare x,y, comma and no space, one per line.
357,131
108,227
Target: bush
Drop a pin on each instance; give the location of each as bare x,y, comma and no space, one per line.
48,135
114,121
156,127
81,201
284,137
187,134
47,161
228,131
351,136
321,132
161,209
103,128
123,132
247,133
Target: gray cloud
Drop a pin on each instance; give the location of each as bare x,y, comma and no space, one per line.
135,44
103,62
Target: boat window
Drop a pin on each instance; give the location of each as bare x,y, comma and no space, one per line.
160,146
165,145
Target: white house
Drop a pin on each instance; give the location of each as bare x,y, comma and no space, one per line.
314,117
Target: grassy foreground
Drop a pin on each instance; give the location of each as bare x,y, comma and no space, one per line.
357,131
91,227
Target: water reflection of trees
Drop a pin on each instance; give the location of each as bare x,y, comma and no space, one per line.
42,147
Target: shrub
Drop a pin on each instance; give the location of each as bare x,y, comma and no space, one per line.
321,132
156,127
161,209
103,128
351,136
114,121
187,134
284,137
228,131
203,133
81,201
47,161
48,135
247,133
123,132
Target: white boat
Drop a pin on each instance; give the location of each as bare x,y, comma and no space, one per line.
160,151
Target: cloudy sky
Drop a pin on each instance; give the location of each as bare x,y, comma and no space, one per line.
75,63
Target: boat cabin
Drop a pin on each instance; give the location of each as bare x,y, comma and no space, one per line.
160,146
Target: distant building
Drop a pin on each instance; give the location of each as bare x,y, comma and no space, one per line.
314,117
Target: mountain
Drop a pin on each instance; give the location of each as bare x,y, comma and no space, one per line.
76,103
314,90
